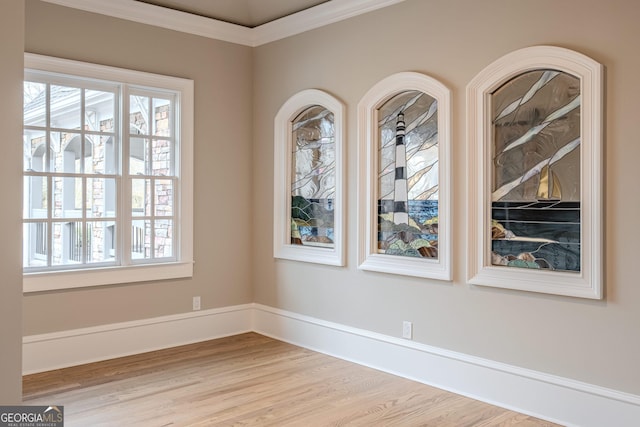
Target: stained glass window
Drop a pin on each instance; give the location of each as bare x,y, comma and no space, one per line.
308,167
536,171
313,183
404,175
408,176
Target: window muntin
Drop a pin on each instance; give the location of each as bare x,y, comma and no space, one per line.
79,170
151,175
70,169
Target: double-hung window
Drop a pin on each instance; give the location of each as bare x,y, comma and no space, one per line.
107,175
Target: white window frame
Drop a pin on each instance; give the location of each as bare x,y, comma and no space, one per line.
368,136
588,283
132,272
283,148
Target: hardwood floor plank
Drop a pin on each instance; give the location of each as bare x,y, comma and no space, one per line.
252,380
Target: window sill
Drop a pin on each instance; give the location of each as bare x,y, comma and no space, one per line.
48,281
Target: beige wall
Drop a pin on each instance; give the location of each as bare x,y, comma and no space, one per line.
11,71
222,75
591,341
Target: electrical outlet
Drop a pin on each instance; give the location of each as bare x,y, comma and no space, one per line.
196,303
407,330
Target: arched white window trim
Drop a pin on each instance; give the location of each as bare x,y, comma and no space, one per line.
368,256
588,283
283,148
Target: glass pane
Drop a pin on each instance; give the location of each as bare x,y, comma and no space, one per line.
163,197
162,111
67,152
35,192
408,176
100,155
99,111
34,150
68,243
139,156
65,107
67,197
138,115
101,241
163,238
141,197
35,104
313,178
101,197
536,206
141,239
162,156
35,246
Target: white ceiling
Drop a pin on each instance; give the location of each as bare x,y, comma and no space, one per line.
248,13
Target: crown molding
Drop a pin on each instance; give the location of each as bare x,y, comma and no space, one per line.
315,17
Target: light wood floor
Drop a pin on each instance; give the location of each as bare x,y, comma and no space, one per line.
251,380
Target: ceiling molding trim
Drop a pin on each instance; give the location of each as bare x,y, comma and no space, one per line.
315,17
166,18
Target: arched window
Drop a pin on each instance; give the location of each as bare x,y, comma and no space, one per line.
404,185
309,204
535,171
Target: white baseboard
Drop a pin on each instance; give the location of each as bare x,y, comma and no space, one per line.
78,346
545,396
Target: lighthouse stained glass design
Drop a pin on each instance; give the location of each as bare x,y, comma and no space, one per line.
408,176
313,178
